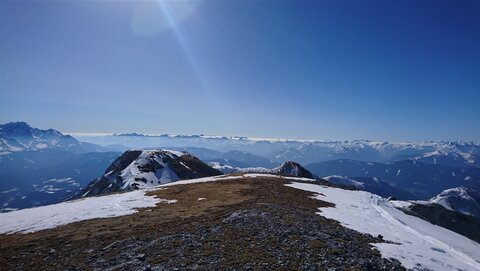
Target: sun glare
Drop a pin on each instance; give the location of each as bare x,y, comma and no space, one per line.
154,17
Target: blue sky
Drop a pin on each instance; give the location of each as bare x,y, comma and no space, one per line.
380,70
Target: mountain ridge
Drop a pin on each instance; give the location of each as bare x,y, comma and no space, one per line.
137,169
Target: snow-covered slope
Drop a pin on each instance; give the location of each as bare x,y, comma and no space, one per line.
460,199
8,145
418,244
226,169
137,169
51,216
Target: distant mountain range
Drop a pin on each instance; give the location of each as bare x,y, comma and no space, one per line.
19,136
452,153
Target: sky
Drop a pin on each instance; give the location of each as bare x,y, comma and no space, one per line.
379,70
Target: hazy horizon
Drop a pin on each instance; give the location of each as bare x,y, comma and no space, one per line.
255,138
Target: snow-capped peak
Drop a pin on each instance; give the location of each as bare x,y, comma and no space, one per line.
19,136
460,199
149,169
291,168
139,169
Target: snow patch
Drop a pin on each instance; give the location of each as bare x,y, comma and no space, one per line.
168,201
9,191
401,204
51,216
177,153
422,245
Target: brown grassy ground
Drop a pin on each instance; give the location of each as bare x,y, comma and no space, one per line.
251,224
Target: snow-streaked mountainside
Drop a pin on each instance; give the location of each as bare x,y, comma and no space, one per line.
39,167
460,199
288,168
226,169
455,153
19,136
35,178
139,169
419,245
342,180
423,180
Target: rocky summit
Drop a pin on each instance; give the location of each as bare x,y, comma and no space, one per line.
137,169
293,169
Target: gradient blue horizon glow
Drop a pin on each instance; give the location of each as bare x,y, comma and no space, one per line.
379,70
